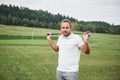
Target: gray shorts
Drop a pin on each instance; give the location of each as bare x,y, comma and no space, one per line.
66,75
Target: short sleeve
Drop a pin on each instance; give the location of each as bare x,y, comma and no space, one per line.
58,41
79,41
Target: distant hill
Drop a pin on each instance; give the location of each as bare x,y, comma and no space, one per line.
22,16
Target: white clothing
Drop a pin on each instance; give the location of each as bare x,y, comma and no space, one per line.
69,52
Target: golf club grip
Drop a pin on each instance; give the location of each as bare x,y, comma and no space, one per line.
53,34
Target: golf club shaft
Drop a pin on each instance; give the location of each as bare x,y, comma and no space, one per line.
59,33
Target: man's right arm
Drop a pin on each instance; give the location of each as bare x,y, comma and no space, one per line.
51,43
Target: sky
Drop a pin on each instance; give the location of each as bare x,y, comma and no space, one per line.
82,10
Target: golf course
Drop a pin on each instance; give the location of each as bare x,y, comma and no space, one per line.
26,55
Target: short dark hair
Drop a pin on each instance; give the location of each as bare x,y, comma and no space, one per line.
66,20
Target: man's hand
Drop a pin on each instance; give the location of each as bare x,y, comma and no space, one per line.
51,42
86,35
49,36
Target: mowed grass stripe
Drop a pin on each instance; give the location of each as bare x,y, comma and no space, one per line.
24,42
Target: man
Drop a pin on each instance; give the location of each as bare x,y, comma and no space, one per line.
69,46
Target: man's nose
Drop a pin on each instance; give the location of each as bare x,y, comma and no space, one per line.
65,29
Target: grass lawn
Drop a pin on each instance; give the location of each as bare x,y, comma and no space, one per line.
26,59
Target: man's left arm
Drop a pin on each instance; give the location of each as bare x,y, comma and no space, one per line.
85,47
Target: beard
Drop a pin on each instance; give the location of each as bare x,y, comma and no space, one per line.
66,34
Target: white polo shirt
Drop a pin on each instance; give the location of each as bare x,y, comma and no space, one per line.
69,52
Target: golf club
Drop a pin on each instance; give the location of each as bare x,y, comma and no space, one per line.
87,32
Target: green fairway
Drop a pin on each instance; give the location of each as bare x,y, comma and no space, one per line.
33,59
24,31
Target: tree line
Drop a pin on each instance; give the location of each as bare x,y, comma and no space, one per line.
22,16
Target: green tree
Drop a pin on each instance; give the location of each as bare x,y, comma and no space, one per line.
76,26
